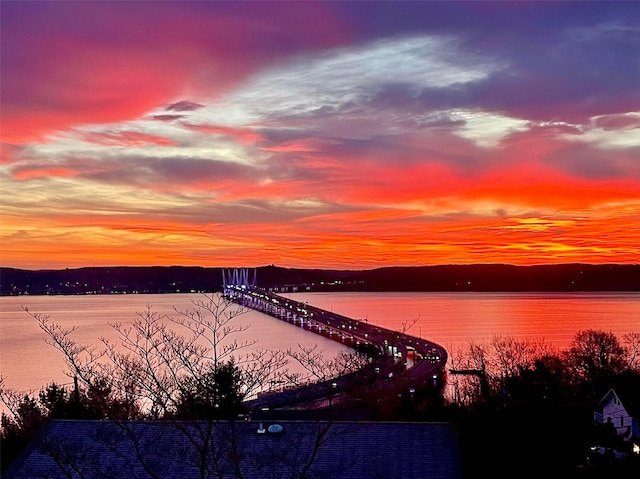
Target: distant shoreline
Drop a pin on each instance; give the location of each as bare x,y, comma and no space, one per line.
574,277
323,291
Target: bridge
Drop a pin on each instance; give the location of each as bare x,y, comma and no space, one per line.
399,363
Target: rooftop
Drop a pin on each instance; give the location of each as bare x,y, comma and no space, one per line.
92,449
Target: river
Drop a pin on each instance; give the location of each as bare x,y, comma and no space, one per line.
450,319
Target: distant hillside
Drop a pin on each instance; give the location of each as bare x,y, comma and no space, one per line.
180,279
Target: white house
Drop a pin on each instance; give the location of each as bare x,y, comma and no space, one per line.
620,408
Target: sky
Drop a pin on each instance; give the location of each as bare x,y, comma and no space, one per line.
333,135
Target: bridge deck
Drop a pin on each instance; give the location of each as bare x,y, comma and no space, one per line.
390,351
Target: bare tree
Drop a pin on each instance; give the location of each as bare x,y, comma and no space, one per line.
632,346
485,369
470,375
331,376
83,361
511,355
460,391
211,322
595,354
10,399
191,371
408,324
157,358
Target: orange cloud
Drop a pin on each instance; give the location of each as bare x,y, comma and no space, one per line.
30,174
117,147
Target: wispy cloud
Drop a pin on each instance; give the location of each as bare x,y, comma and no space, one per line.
327,137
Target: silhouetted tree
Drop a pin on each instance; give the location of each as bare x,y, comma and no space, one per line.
632,346
27,414
594,355
19,428
543,381
159,358
217,395
189,371
323,372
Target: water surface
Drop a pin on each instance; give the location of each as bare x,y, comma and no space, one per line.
450,319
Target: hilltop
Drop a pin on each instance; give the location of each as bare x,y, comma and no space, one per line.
181,279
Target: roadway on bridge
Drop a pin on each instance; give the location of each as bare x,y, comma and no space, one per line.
403,362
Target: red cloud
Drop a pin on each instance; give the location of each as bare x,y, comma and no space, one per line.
32,173
93,62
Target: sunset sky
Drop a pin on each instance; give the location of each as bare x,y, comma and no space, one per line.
347,135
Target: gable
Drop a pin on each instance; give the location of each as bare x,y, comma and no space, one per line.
625,394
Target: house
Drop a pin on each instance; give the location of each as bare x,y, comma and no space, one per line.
288,449
618,415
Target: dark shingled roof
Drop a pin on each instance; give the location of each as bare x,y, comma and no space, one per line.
101,449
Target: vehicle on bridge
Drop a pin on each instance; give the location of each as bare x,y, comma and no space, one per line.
399,362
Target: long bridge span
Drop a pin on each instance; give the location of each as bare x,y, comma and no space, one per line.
400,363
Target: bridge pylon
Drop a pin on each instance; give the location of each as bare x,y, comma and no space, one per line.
238,278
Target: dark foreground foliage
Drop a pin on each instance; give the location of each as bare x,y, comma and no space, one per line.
535,421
